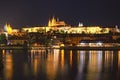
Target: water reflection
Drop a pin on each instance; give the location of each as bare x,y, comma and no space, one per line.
36,58
8,63
119,60
52,64
55,64
62,60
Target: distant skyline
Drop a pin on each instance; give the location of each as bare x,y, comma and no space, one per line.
37,12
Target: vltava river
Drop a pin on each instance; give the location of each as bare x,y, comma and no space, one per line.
60,65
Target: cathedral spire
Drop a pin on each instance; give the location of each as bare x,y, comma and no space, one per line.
49,22
8,28
80,24
52,22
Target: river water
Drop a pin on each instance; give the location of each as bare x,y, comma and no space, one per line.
58,64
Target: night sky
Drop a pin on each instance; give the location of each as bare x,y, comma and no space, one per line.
37,12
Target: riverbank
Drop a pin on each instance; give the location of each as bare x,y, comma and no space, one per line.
65,47
91,48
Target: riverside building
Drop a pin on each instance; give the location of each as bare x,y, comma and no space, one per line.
57,26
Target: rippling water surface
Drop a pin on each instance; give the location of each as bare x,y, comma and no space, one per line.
60,65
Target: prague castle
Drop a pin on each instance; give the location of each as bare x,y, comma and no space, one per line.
57,25
57,28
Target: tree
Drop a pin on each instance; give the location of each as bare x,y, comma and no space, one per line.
3,39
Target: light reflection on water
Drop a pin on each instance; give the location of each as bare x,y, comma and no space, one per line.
58,64
8,63
119,60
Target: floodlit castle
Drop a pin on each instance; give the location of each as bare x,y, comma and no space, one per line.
56,22
60,26
56,26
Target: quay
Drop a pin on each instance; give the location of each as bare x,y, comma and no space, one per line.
90,48
65,48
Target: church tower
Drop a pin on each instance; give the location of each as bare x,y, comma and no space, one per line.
8,28
49,23
52,22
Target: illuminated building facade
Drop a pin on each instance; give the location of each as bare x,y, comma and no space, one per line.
54,25
33,29
8,28
55,22
89,30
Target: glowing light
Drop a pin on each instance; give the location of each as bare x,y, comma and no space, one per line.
8,28
80,24
52,22
82,43
99,43
62,45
